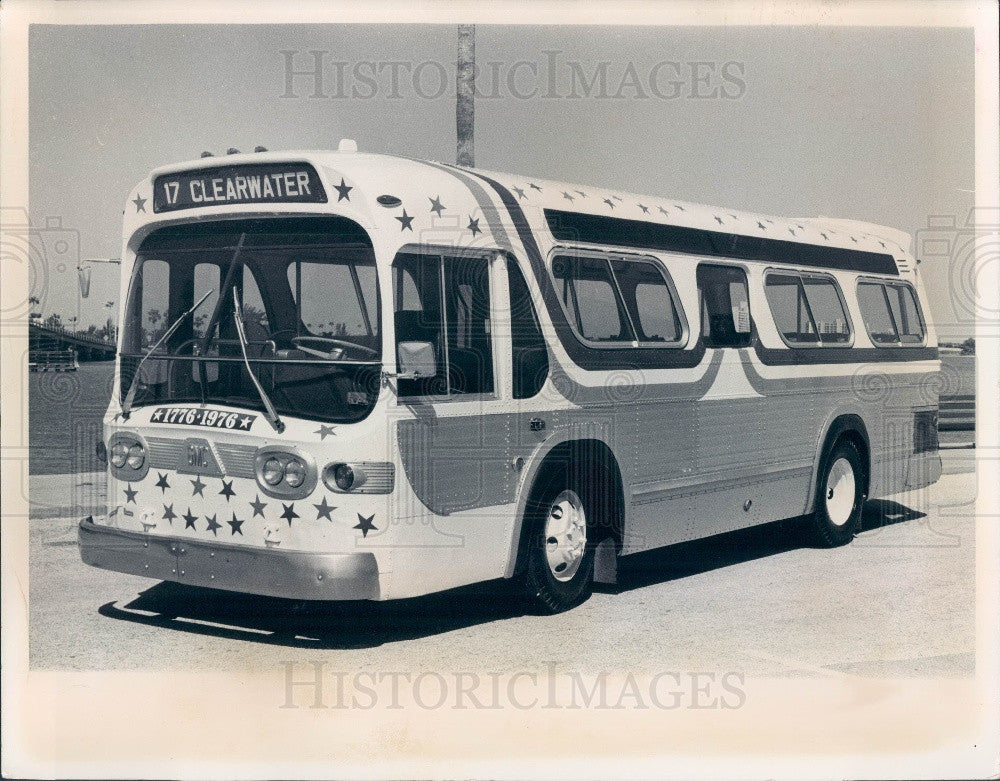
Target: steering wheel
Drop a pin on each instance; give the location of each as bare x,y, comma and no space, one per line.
343,345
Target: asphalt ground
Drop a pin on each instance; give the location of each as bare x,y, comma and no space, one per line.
898,601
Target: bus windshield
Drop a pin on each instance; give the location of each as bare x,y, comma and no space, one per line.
310,311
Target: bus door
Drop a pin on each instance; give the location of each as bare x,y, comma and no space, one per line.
729,430
455,446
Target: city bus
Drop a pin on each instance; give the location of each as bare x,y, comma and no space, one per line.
351,376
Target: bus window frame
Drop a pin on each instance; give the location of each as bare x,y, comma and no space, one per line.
609,255
494,259
793,271
885,282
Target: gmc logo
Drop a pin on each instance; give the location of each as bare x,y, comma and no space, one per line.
198,456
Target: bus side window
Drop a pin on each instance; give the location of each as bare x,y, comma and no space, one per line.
725,306
530,358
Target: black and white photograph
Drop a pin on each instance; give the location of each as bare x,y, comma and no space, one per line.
515,390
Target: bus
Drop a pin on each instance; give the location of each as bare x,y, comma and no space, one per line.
351,376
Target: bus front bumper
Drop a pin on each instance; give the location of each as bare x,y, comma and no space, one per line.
264,571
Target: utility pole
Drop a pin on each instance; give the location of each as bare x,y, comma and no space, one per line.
465,108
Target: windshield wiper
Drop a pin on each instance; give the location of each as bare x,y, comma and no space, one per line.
271,413
130,396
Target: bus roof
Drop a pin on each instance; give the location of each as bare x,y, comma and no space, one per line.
408,200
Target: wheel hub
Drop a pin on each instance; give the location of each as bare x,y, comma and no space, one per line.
565,535
840,492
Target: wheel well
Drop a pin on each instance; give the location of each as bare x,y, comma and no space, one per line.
593,458
852,429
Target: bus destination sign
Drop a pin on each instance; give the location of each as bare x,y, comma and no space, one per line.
238,184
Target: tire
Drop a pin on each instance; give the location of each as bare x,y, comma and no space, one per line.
559,572
841,489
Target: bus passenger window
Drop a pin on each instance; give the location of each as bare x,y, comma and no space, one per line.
827,310
792,315
588,293
890,313
529,356
725,306
905,313
648,300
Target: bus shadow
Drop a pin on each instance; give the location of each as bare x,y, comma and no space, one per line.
737,547
349,625
326,625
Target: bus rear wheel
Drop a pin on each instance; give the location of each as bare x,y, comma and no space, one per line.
559,574
840,494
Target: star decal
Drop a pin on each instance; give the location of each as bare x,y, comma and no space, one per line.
156,417
227,490
883,244
237,526
825,237
679,207
762,226
581,193
366,525
245,422
162,483
534,186
520,192
436,206
854,240
645,209
213,525
323,510
258,506
609,202
662,211
792,231
140,204
130,494
325,431
617,197
474,225
198,486
342,191
718,219
189,520
405,221
289,512
169,514
567,196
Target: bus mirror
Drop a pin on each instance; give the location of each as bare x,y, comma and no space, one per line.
416,360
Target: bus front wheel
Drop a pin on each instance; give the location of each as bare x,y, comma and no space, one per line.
560,564
840,494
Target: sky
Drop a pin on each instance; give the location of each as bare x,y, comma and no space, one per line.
859,123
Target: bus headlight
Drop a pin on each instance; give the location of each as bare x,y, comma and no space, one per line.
118,454
272,471
127,457
344,477
363,477
136,456
295,473
285,472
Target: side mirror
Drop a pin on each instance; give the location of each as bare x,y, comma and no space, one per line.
416,360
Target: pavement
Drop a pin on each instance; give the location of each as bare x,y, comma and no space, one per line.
899,601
